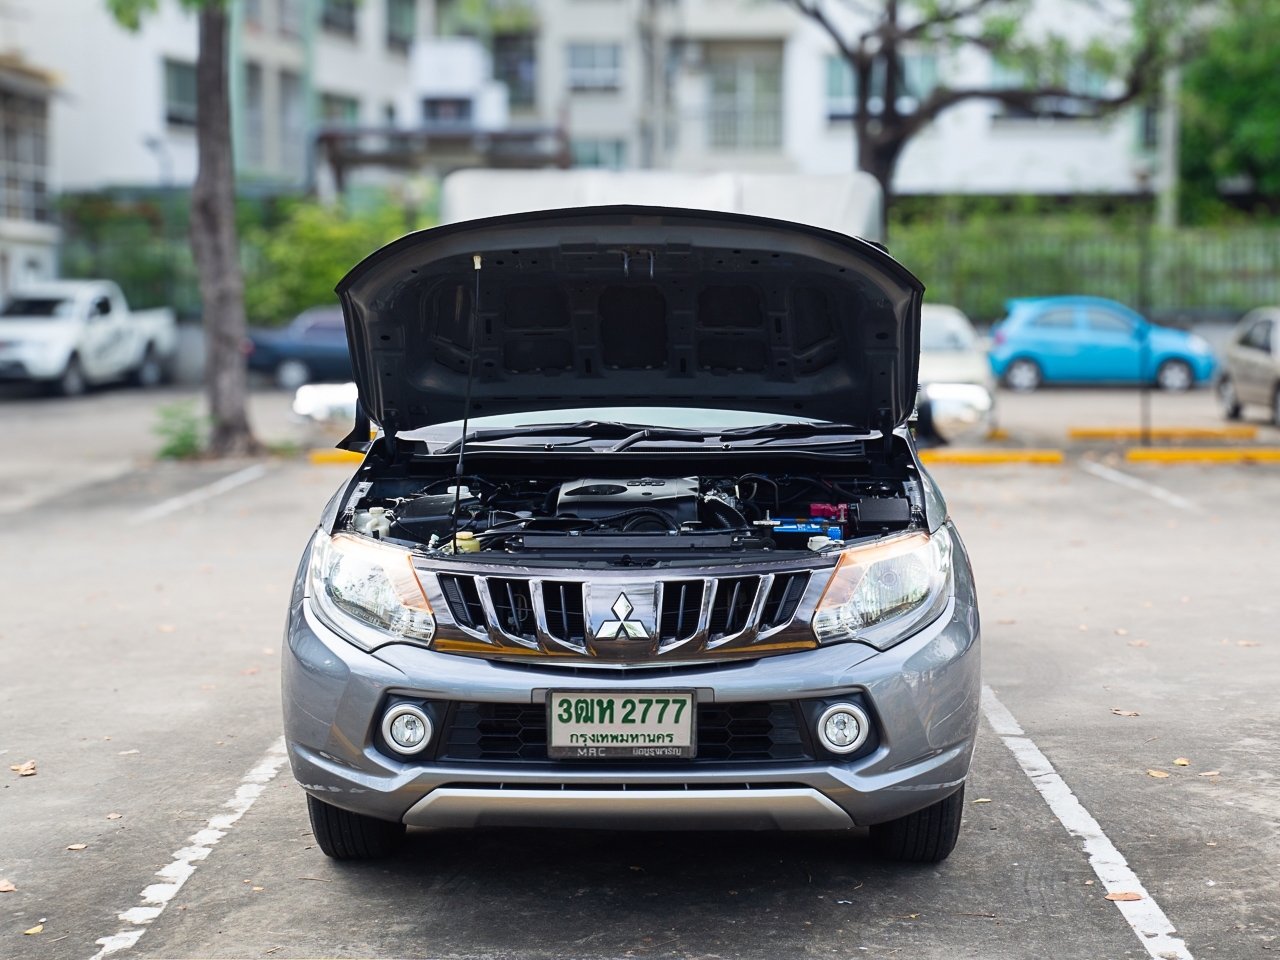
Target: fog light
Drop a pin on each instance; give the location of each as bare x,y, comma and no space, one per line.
843,728
406,728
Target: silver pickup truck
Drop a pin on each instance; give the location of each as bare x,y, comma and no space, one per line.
71,334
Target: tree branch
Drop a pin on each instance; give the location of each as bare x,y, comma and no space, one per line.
813,10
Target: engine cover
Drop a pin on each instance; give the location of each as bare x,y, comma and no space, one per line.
592,499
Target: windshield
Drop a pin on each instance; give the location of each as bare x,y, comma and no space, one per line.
945,330
37,307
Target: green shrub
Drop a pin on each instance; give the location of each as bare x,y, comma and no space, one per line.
181,429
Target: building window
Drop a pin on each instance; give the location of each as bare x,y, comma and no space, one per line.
292,124
1075,77
254,151
339,16
608,154
595,66
446,111
23,158
289,17
402,24
515,64
339,111
746,96
917,79
180,93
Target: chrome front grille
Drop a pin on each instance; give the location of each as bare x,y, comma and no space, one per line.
622,617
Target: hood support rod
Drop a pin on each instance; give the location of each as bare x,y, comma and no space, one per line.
466,410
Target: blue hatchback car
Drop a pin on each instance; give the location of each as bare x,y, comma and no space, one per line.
1092,340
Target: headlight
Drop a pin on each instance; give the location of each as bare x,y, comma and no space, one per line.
879,594
368,590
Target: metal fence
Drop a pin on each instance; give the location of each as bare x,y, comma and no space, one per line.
1187,272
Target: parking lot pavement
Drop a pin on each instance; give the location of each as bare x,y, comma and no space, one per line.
164,637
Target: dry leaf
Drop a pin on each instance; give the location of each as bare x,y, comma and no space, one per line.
1008,622
113,816
1182,762
77,846
248,673
1138,643
268,652
1124,713
1158,774
6,886
1126,896
1120,632
1211,773
38,928
1248,643
125,753
258,888
982,800
166,628
1088,883
27,769
208,686
1083,627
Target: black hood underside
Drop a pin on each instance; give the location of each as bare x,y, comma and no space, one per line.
645,306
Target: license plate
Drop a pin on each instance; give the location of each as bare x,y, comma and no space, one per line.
641,724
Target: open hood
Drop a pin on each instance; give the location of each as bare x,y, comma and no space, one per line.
628,305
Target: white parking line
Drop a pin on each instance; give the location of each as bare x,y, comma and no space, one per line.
182,501
1133,483
1144,915
200,844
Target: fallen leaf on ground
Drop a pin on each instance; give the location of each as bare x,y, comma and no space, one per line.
38,928
27,769
1139,643
1008,622
77,846
1083,627
125,753
208,686
1210,773
638,869
113,816
1127,895
1120,632
250,672
6,886
1088,883
1158,774
1124,713
1248,643
268,652
166,628
1182,762
258,888
982,800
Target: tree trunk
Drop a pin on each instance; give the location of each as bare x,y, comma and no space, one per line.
879,158
215,247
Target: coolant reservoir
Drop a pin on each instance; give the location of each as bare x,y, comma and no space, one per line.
467,543
373,522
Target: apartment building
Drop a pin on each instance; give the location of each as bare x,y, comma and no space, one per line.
752,85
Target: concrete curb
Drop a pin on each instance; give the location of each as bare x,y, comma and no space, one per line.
980,456
1202,454
327,456
1163,433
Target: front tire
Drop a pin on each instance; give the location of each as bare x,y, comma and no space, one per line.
1023,375
291,374
344,835
1229,399
72,382
1175,376
926,836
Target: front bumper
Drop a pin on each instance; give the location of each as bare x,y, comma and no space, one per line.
922,695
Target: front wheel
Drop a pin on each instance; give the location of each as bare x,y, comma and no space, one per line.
150,371
926,836
344,835
1228,399
1023,375
72,382
1175,376
291,374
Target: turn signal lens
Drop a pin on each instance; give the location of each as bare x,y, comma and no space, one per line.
881,592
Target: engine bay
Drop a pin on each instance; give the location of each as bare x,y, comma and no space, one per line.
631,519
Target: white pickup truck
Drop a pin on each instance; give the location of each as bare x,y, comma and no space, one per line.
70,334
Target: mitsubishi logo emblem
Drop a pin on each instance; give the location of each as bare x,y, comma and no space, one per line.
622,628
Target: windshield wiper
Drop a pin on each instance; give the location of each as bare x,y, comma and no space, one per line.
659,433
791,431
588,429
